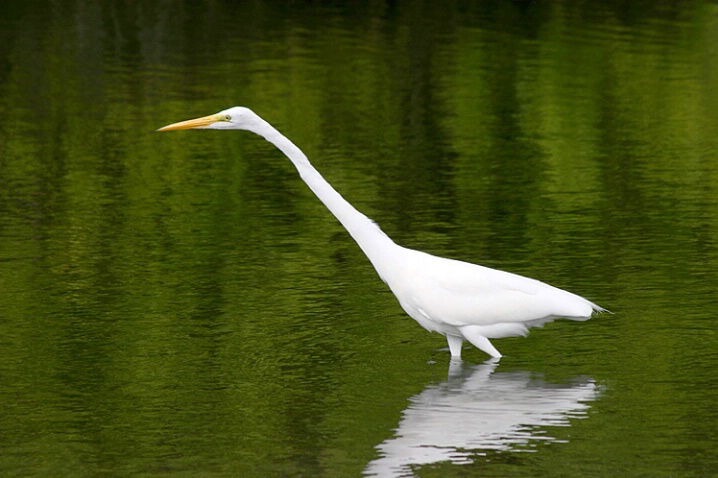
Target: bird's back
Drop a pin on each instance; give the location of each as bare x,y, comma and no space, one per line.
458,293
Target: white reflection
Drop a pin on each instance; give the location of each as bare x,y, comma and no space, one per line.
476,411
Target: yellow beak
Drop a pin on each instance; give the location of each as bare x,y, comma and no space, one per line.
193,123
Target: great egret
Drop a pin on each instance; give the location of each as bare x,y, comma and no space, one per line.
459,300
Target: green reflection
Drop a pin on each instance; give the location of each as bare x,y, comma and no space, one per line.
183,305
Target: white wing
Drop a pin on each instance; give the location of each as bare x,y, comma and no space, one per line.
459,294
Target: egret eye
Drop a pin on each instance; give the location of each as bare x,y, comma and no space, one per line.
227,118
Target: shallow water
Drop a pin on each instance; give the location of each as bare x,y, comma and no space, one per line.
180,304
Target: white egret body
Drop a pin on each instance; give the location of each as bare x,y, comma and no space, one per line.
459,300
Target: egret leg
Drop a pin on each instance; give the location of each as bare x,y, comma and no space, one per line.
455,342
473,335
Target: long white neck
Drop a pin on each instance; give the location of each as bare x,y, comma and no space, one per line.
371,239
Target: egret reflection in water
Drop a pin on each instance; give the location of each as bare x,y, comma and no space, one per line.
477,411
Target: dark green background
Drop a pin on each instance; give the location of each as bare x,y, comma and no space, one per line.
181,305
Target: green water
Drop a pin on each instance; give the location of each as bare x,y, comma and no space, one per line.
179,304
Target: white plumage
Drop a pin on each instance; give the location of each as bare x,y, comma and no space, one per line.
457,299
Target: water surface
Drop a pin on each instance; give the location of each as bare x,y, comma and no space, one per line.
180,304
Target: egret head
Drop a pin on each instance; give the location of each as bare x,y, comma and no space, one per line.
237,117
